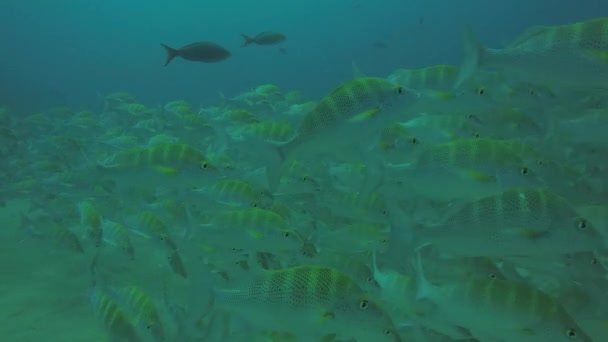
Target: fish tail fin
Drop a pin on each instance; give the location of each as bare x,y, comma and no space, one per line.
171,53
199,311
473,53
246,40
424,287
357,73
274,168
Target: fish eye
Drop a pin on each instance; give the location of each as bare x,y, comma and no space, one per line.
524,171
204,165
582,224
571,333
286,234
384,212
399,90
363,304
476,135
305,178
594,261
481,91
492,276
388,332
414,141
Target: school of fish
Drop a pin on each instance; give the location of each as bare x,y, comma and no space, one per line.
448,203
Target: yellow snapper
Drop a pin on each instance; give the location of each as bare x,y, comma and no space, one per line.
117,235
346,119
504,310
114,317
91,222
462,168
353,264
160,165
150,226
270,130
568,55
517,221
163,157
251,230
437,77
55,233
144,312
234,193
308,301
440,128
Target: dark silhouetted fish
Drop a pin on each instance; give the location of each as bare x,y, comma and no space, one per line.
206,52
264,38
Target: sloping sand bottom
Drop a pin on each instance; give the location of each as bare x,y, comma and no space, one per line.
45,291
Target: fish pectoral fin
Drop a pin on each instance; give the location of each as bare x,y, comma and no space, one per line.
530,233
326,316
526,331
439,95
166,170
478,176
364,115
597,56
255,234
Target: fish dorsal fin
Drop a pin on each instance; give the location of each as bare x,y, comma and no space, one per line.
357,73
526,35
368,114
478,176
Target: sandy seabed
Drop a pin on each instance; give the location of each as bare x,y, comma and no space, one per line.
45,291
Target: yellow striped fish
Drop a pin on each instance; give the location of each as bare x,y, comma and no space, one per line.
463,169
143,311
355,109
117,236
437,77
517,221
575,54
234,193
309,301
152,226
164,157
115,319
251,230
91,222
501,309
